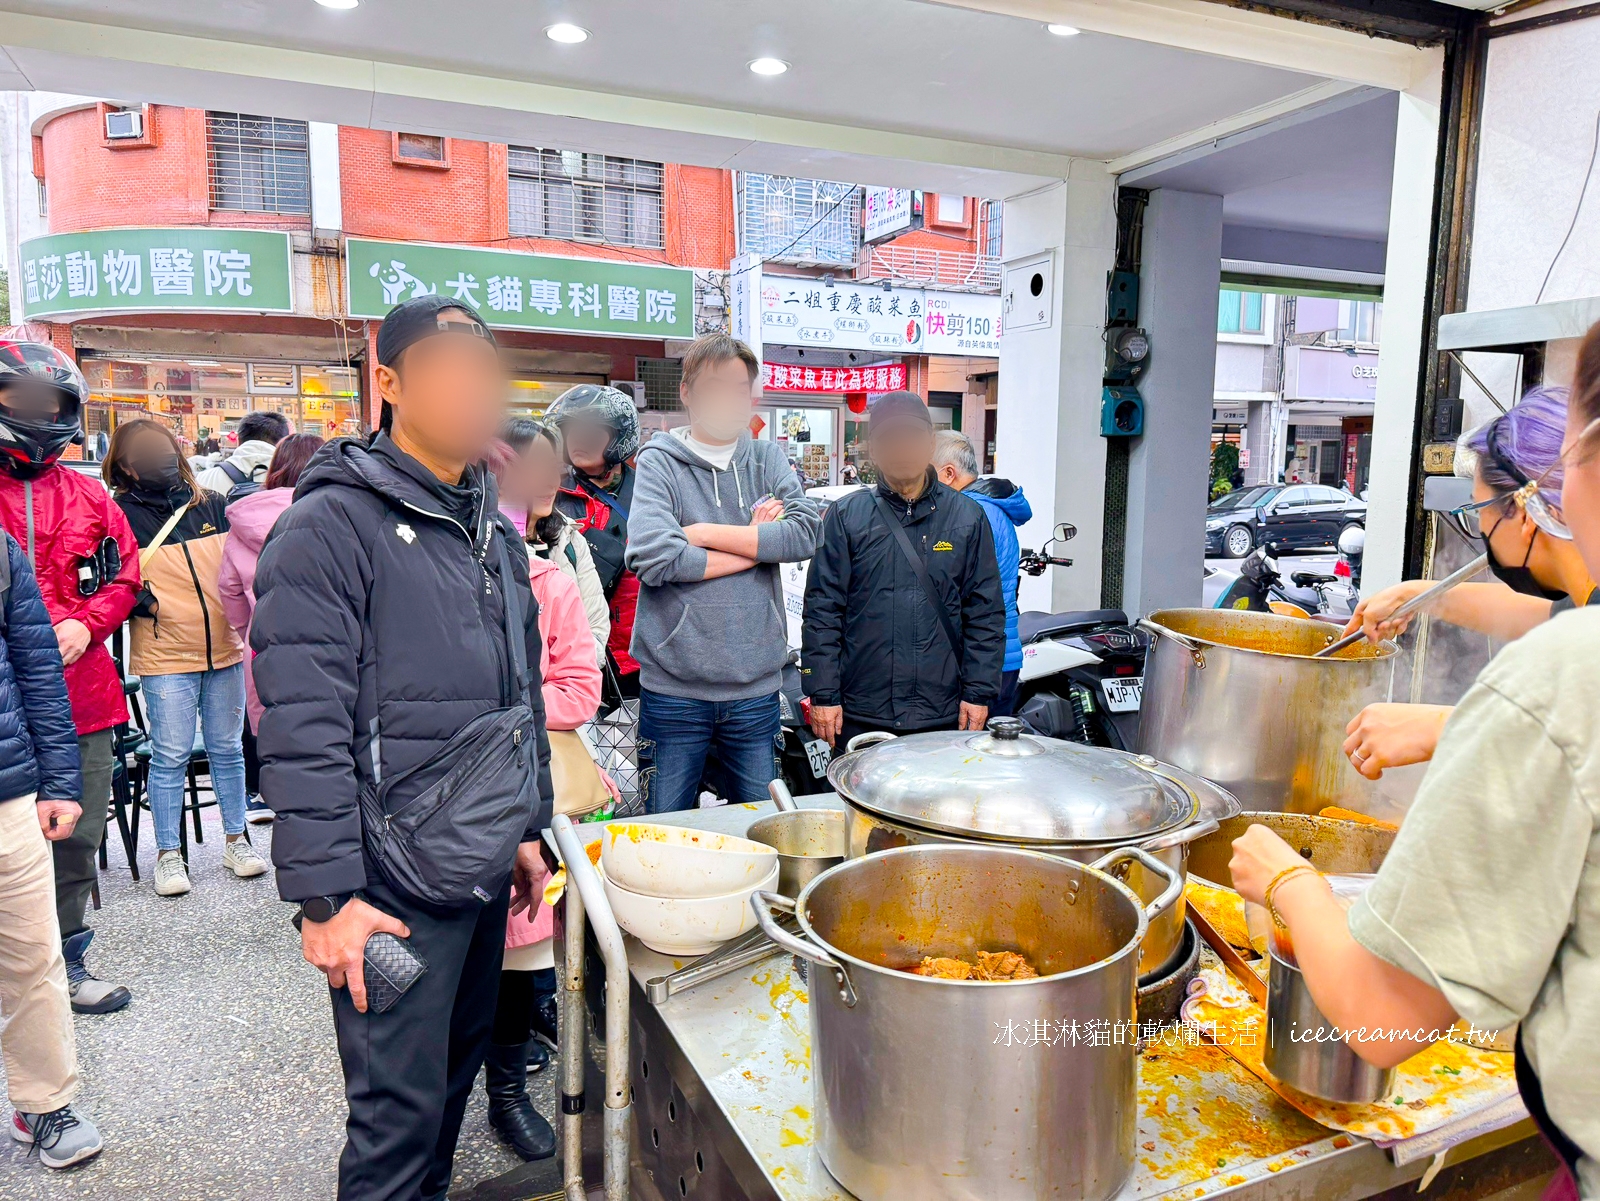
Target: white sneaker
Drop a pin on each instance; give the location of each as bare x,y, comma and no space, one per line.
172,875
243,860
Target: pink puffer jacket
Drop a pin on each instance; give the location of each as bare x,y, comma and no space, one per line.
571,689
250,520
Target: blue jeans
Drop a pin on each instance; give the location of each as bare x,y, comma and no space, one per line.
676,734
173,703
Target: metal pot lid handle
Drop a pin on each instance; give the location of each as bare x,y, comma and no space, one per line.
1174,878
1196,649
870,738
764,903
781,796
1187,834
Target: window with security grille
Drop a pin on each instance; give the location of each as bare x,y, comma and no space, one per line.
580,197
993,213
788,220
661,378
259,164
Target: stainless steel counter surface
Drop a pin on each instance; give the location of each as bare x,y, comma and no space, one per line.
738,1055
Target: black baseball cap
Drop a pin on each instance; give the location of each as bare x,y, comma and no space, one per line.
898,406
410,321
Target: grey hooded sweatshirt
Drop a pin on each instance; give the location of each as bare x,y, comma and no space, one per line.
722,639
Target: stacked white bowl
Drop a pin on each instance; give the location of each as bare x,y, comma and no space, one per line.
680,891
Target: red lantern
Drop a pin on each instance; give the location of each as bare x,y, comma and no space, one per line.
856,402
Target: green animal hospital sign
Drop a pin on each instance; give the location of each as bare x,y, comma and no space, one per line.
515,290
148,270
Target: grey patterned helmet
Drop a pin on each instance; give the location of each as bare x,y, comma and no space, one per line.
611,407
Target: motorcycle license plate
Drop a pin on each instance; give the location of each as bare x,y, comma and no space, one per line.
819,754
1123,693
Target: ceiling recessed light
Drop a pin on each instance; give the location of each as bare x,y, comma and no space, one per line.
338,3
1064,31
567,35
769,66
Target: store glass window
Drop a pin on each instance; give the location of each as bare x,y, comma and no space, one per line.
533,393
204,400
581,197
259,164
806,436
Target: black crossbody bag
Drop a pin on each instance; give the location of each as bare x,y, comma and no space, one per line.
452,841
921,568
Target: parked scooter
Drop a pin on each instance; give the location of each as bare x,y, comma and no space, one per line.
1352,545
1261,588
1082,676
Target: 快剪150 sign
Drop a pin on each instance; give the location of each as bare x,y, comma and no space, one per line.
177,269
517,290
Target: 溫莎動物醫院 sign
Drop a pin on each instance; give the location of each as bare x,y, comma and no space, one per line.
151,269
517,290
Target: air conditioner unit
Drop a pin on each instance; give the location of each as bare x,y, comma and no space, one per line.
634,388
124,123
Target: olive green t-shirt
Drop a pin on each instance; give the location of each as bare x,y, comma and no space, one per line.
1492,890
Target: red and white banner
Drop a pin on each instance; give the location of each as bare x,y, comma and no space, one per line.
783,377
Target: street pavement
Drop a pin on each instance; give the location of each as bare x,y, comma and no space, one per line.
220,1080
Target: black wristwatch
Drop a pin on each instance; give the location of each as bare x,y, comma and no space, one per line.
321,909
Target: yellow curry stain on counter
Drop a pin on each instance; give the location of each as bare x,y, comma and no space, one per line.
1209,1133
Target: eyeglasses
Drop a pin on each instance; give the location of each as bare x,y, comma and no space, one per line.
1469,518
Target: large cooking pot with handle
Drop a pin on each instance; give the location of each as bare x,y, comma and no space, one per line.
1009,788
1031,1093
1235,697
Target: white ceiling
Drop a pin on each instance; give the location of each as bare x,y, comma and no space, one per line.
897,65
1328,173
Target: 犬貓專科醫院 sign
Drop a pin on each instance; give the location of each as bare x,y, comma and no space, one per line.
144,270
517,290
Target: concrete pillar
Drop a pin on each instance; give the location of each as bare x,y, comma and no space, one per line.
1258,436
1169,465
1047,435
1405,291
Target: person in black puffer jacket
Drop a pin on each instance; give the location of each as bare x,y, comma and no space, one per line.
378,635
40,786
874,653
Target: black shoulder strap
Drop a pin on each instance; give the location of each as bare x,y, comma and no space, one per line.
918,566
511,610
232,472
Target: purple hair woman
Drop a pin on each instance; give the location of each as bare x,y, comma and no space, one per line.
1514,517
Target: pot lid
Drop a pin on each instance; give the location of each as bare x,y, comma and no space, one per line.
1009,786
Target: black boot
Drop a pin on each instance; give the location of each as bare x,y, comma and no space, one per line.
510,1112
544,1007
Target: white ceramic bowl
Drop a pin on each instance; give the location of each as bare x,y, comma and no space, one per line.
676,861
685,926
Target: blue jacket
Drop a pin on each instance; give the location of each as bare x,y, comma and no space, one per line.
38,744
1006,508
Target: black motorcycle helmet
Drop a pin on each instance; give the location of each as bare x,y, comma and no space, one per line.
611,407
28,442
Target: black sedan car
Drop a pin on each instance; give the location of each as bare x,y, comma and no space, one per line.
1291,516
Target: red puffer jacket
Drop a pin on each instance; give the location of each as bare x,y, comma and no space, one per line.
72,514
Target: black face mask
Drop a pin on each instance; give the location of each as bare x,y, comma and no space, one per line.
1518,579
158,477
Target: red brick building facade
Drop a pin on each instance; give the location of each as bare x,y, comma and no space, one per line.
104,168
167,176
